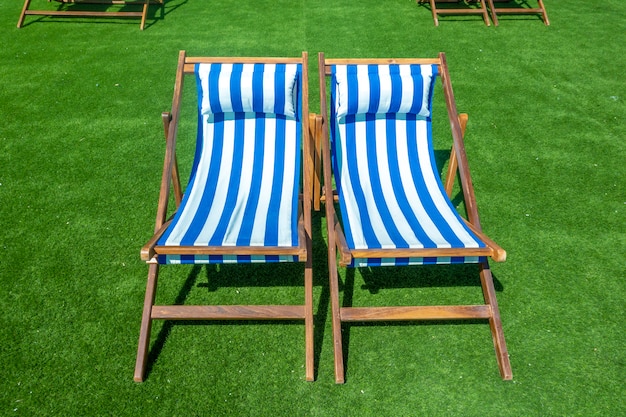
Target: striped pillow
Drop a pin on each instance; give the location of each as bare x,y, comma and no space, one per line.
382,89
243,88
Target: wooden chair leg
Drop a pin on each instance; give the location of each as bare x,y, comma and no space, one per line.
546,21
336,318
144,14
308,314
433,9
20,22
485,14
494,16
495,323
146,323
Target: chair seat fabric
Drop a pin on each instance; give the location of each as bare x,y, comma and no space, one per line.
243,189
390,193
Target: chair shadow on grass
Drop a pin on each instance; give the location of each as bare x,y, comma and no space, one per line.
156,12
212,277
452,5
411,278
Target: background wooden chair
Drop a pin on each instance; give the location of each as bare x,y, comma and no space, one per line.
520,8
393,207
245,201
141,12
479,7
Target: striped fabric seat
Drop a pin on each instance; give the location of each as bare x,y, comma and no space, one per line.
244,185
390,192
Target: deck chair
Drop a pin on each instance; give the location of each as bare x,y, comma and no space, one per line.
394,209
478,8
141,12
245,201
520,8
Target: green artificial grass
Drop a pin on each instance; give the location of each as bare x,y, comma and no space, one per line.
81,151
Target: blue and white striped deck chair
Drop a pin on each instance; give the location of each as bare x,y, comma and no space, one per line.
245,201
394,208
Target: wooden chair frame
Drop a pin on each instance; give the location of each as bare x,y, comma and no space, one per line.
337,242
143,14
171,180
540,10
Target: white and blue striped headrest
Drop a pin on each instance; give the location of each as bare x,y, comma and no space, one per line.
258,88
381,89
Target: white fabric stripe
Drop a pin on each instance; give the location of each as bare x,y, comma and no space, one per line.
384,101
286,204
234,226
196,192
224,85
397,217
258,230
340,73
246,87
427,73
269,82
364,90
408,87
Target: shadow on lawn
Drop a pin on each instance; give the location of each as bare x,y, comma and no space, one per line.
411,278
156,12
256,275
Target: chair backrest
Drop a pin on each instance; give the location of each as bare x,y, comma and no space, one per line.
245,180
390,192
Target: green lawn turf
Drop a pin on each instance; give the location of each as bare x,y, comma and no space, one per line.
80,158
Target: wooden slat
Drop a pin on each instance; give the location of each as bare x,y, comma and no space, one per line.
229,250
121,2
190,62
82,13
86,13
380,61
229,312
420,253
460,11
415,313
520,10
499,254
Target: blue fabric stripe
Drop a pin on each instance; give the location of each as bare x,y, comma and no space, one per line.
213,85
374,86
396,89
418,90
375,182
353,90
235,87
257,86
271,228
